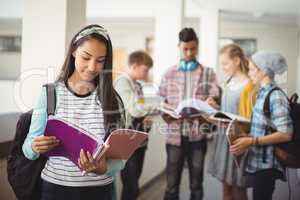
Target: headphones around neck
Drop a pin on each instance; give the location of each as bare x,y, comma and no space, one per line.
188,66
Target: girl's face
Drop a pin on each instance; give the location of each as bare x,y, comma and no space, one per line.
229,65
89,60
255,74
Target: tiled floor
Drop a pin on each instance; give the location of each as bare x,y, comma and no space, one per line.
5,190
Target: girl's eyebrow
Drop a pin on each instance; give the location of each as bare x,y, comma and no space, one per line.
92,55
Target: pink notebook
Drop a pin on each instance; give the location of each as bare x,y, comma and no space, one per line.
121,143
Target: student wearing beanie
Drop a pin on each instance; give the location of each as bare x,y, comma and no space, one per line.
262,164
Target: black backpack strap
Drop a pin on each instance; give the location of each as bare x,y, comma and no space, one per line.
267,110
51,98
267,113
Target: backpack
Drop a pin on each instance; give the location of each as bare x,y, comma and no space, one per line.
24,174
287,153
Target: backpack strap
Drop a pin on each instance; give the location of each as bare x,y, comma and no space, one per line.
51,98
267,113
266,108
294,98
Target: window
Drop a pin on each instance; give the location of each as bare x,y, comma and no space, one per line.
10,44
249,45
10,57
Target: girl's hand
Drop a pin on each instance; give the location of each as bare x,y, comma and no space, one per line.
241,145
212,103
87,163
43,144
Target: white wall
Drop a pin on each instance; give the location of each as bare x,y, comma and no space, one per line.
127,33
283,38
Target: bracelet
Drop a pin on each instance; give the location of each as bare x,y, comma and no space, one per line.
256,141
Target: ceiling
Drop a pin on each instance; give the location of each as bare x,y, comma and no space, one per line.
288,9
278,7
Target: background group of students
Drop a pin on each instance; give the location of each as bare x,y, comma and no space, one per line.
244,93
86,95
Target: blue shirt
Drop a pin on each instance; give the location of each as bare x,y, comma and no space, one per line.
280,121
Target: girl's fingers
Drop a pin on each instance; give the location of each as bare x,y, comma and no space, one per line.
235,146
46,142
44,148
79,163
90,157
234,149
86,162
83,157
43,138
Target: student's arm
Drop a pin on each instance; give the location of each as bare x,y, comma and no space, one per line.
242,144
280,117
128,96
37,126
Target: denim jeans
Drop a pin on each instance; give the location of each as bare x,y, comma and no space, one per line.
131,173
194,153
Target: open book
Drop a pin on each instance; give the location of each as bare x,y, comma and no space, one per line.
234,132
121,143
193,108
226,117
188,109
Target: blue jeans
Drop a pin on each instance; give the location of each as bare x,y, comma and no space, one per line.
52,191
194,153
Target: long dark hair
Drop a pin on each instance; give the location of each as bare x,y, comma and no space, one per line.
111,103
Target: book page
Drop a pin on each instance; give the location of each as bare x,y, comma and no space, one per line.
122,143
196,104
228,117
166,108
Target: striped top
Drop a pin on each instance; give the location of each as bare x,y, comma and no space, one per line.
84,111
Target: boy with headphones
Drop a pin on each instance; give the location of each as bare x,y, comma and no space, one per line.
185,141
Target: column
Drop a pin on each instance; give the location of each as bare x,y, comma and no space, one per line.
168,23
209,37
47,30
